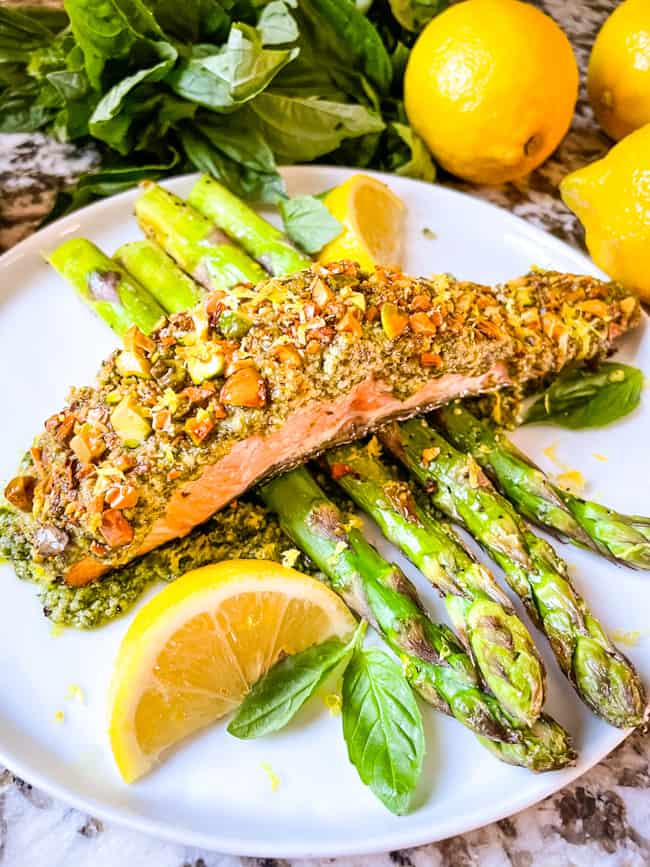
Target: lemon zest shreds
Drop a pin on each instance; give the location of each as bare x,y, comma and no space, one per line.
629,638
600,457
59,716
273,777
333,703
75,692
550,453
573,480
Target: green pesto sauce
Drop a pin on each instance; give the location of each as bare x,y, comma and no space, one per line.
246,531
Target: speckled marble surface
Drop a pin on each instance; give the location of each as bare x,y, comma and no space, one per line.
601,819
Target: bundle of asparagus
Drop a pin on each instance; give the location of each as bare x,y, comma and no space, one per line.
498,643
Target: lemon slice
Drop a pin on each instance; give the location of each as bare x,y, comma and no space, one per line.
193,652
374,223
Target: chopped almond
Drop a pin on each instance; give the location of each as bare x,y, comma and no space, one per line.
161,419
115,528
429,455
349,322
422,324
430,359
287,355
137,342
421,302
321,292
124,462
199,427
392,320
489,329
88,443
244,388
217,410
20,492
122,496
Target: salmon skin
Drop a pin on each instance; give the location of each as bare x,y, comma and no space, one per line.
183,421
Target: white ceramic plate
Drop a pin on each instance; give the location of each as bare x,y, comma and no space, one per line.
213,792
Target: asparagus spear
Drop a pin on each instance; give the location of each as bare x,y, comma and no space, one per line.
584,522
192,241
170,286
259,238
435,664
105,286
602,676
481,613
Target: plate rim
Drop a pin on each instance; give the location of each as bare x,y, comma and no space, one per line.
395,838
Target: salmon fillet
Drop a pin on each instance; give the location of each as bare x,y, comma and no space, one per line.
183,421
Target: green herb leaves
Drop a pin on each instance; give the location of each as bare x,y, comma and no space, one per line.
276,698
150,78
308,223
589,398
382,726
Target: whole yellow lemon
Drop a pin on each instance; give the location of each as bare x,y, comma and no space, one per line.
618,77
612,199
491,87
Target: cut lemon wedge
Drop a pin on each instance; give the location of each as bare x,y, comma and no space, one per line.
192,653
374,223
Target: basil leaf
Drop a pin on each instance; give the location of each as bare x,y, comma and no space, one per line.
382,727
278,696
194,21
588,398
276,24
20,109
233,74
239,178
21,32
110,30
408,155
308,223
341,36
416,14
115,112
301,129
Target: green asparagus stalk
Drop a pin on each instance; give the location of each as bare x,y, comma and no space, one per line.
105,287
602,676
204,252
260,239
480,611
588,524
435,664
151,267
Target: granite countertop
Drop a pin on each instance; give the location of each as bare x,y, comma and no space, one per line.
601,819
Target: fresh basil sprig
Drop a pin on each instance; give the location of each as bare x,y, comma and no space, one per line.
382,726
278,696
588,398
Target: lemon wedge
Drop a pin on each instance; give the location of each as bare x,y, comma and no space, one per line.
373,220
192,653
